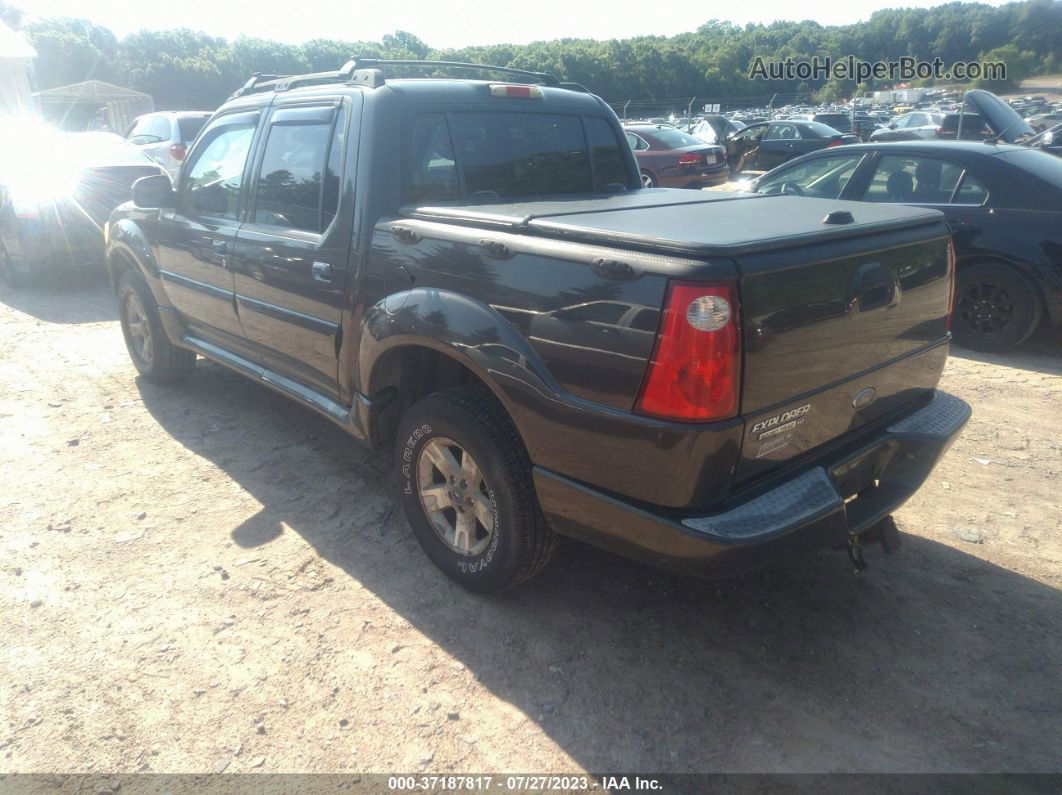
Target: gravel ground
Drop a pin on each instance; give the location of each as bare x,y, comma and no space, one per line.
207,577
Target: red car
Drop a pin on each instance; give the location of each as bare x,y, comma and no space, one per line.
669,158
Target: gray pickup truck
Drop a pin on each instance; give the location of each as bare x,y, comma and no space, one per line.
469,273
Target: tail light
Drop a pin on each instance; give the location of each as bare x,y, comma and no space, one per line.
695,371
689,159
835,142
941,132
178,151
952,267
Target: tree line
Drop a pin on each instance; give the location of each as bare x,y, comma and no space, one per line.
186,69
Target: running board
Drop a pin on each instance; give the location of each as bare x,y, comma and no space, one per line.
354,420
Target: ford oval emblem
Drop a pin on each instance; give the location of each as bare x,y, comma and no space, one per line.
864,397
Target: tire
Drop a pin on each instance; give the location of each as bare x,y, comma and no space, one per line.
996,308
153,355
505,539
648,180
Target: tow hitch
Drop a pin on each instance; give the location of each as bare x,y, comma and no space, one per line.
884,532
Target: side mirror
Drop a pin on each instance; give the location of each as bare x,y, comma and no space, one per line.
154,192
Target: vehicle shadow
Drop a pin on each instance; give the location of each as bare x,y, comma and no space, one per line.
87,298
1041,353
932,660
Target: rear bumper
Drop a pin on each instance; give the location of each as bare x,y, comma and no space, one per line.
808,511
702,178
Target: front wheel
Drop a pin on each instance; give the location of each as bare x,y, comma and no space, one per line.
996,308
153,355
648,180
466,489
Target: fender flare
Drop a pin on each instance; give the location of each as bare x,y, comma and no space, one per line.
126,239
469,331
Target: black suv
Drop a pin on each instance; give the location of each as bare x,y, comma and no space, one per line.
469,273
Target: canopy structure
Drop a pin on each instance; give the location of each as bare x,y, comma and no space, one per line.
93,104
16,66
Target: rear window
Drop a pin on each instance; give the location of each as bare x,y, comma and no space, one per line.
819,129
190,127
488,156
1045,166
833,119
675,139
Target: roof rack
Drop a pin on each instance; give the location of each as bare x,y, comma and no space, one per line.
368,71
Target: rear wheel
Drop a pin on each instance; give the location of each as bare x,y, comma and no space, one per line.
466,488
153,355
996,308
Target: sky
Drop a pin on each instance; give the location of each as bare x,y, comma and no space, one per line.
443,24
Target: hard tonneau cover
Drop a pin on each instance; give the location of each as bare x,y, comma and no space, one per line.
702,225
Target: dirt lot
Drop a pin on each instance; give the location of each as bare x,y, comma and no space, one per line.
208,577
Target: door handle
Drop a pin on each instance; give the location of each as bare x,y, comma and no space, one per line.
322,271
219,247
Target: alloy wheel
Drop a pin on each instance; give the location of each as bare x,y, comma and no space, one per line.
985,308
455,497
139,329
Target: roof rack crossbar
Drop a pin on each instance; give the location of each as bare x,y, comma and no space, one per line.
545,78
367,71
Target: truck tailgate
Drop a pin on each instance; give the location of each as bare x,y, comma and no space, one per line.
838,337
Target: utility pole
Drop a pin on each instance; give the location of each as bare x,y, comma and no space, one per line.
689,111
625,104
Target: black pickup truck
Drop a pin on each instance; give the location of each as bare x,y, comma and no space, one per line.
469,272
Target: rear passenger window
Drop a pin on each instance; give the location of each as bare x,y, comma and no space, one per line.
290,179
149,130
160,128
971,191
913,179
434,172
609,169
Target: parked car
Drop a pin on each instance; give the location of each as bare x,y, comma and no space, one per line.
842,122
57,190
165,136
910,127
765,145
670,158
1003,202
988,117
1043,121
441,307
